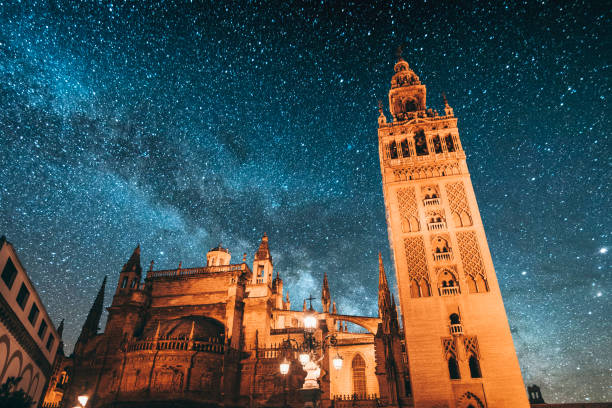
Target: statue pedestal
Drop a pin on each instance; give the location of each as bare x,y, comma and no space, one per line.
310,397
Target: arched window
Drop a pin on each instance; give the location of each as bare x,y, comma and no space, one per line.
450,144
420,143
454,319
475,367
414,289
359,376
405,148
437,144
453,368
393,150
124,282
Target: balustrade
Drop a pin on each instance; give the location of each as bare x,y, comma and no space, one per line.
449,291
211,345
443,256
456,329
435,226
431,201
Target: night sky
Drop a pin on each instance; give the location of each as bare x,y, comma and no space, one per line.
180,125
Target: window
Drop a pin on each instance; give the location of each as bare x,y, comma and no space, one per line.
42,329
453,369
23,296
405,148
450,144
33,314
437,144
9,273
124,282
359,377
393,150
420,144
475,367
134,283
50,342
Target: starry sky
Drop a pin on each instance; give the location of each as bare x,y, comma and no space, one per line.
179,125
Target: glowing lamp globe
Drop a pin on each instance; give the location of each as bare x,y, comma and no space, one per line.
310,323
337,362
284,367
304,358
83,400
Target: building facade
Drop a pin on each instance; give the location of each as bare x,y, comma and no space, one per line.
458,341
214,335
28,338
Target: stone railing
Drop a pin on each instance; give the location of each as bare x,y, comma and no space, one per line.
170,273
356,400
449,291
435,226
268,353
431,201
442,256
50,405
210,345
288,330
456,329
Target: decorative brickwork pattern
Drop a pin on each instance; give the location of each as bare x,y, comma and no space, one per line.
471,346
406,199
423,172
459,204
449,345
472,261
416,259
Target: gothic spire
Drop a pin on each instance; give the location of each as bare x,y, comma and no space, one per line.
133,264
90,328
60,328
325,295
384,294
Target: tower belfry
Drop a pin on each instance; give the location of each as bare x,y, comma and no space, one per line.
457,336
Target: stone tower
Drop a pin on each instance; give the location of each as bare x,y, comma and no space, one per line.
458,340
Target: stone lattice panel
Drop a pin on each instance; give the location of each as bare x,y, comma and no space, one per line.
406,199
471,346
457,198
470,254
416,259
450,347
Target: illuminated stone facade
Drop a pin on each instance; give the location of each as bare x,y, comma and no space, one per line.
211,335
458,342
28,338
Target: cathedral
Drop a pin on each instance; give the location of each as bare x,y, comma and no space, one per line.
226,334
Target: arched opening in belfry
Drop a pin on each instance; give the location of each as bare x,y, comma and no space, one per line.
420,143
474,367
359,376
437,144
450,143
405,148
393,150
414,289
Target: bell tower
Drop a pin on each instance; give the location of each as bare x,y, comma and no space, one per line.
458,341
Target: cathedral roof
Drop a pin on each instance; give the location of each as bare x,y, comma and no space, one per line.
182,327
220,248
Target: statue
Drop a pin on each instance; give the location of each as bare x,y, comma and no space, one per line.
313,371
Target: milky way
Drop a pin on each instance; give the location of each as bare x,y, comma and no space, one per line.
181,125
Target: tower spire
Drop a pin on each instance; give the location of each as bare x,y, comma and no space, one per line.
264,251
325,295
133,264
384,294
90,328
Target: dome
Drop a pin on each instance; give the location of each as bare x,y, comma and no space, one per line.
203,327
218,256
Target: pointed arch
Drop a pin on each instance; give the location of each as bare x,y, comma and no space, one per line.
474,364
453,368
414,289
424,288
481,284
358,367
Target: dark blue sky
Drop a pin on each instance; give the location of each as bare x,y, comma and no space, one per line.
179,125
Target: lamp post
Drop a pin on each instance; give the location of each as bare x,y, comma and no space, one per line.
307,355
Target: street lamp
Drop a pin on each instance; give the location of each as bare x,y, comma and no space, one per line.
284,366
83,400
337,361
